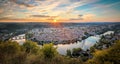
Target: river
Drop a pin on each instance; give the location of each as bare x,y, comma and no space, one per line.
84,44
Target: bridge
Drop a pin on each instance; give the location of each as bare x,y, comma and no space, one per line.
19,37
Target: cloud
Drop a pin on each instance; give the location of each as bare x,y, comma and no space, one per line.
80,17
44,16
89,17
7,17
39,16
48,7
75,0
76,19
103,7
62,9
73,5
22,2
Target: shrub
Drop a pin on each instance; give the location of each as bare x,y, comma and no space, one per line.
31,47
49,51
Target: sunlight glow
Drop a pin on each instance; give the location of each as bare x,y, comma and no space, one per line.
54,20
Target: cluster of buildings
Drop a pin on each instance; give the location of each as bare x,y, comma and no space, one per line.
63,34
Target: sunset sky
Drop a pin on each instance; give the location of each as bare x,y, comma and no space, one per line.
59,10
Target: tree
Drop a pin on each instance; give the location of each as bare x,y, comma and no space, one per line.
49,51
69,53
28,35
92,49
9,48
31,47
75,51
8,51
86,33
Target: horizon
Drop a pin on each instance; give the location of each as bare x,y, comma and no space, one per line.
58,22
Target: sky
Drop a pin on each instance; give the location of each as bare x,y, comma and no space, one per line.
59,10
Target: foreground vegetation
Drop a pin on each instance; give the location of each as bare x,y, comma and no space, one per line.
106,56
31,53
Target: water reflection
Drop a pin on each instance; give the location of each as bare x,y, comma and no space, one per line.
84,44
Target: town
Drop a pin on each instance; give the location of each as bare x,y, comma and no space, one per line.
64,34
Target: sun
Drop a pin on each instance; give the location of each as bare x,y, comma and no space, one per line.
54,20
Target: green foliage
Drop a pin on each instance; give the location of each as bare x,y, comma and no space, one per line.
76,50
31,47
75,61
92,49
107,56
69,53
86,33
9,48
9,51
28,35
49,51
31,53
84,37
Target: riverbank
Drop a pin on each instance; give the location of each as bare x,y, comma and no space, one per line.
83,44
